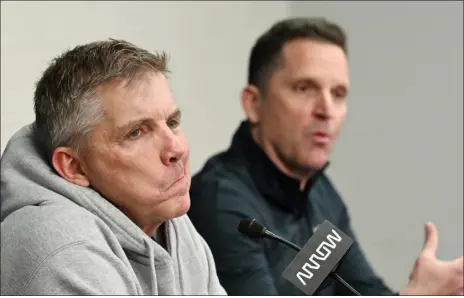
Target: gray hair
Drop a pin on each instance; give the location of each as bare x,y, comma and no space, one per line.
65,102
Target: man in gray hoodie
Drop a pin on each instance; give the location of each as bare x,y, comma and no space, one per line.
95,191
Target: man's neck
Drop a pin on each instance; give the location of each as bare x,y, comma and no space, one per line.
150,230
160,236
145,223
303,177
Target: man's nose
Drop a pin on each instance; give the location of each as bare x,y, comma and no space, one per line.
173,149
324,106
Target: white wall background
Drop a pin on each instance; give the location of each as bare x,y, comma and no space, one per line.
399,160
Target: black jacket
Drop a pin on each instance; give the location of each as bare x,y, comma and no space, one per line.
242,182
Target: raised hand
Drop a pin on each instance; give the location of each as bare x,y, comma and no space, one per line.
431,276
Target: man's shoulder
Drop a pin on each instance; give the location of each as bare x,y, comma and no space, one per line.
224,180
224,168
34,233
45,247
222,189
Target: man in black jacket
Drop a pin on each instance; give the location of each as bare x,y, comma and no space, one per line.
295,104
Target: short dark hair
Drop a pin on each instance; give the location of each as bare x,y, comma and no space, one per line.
65,103
266,52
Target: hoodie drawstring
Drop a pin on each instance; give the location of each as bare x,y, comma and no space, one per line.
151,256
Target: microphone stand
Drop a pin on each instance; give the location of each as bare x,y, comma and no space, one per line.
269,234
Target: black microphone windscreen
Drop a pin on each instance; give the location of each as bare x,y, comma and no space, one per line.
251,228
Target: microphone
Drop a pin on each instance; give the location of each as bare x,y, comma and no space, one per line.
315,261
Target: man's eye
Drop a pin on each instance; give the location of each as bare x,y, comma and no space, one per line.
339,94
302,88
135,133
173,124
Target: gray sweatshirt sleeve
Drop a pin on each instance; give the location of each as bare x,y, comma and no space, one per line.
80,268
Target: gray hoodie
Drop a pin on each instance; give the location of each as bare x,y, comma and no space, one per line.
58,238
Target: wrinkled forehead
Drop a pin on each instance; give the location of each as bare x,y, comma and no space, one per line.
144,96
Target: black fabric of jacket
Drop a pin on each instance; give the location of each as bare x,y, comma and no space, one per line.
242,182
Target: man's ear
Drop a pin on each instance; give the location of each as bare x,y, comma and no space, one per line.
69,166
251,103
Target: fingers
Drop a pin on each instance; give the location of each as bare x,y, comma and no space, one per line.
459,262
431,240
459,265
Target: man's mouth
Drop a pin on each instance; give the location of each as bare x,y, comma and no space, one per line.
179,180
320,137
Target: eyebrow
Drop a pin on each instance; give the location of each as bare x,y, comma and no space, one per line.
136,122
126,127
176,114
314,82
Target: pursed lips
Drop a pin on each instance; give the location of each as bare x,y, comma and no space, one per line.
180,175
